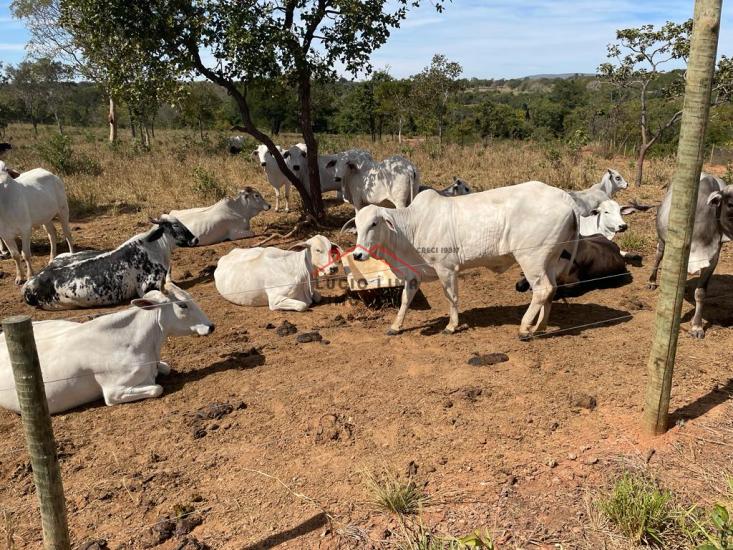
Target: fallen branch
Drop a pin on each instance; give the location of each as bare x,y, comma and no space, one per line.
298,227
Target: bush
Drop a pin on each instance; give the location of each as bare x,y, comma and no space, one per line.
58,153
206,186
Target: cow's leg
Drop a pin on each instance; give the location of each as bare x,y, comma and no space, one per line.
13,249
655,269
408,293
277,198
449,280
25,242
119,394
547,292
164,368
66,230
237,233
51,230
287,197
697,330
280,302
543,289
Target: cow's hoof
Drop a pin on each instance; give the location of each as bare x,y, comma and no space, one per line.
447,330
525,336
19,281
392,332
697,332
652,286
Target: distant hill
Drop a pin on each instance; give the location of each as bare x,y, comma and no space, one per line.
560,75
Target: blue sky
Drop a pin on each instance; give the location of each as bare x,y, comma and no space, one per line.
493,38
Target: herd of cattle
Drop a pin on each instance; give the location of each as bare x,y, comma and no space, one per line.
559,239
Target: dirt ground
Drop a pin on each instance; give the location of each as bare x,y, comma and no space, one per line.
516,447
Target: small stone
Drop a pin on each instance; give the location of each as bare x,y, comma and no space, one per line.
583,401
572,456
99,544
412,469
488,359
552,463
198,433
447,404
308,337
590,461
269,326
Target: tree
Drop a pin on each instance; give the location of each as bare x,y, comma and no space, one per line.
199,106
434,86
394,101
27,87
700,75
298,40
640,54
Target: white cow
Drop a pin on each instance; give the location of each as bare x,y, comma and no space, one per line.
298,162
227,220
435,237
115,356
274,175
34,198
236,144
393,182
280,279
606,219
590,198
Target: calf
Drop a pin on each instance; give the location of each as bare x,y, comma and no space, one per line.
227,220
115,356
280,279
393,182
589,199
274,175
92,278
713,226
436,237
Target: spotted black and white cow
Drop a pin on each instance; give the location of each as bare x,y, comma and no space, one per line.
94,278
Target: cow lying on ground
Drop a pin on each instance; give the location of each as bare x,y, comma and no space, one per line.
227,220
92,278
393,182
436,237
713,226
455,189
598,263
607,220
35,198
590,198
274,175
280,279
115,356
297,160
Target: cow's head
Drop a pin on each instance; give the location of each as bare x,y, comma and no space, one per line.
179,233
296,158
615,179
722,201
325,255
179,314
261,154
374,229
459,187
609,218
249,196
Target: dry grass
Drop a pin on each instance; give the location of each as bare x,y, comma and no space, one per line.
169,175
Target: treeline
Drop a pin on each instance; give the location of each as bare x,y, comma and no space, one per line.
436,102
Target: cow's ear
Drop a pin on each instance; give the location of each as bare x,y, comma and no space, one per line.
628,209
715,198
331,163
389,224
351,166
286,154
336,251
144,303
610,172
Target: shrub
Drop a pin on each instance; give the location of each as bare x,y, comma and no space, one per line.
206,186
58,153
639,509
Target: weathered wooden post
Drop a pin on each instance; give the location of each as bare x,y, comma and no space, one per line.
38,431
690,151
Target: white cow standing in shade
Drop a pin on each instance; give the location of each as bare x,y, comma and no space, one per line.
115,356
274,175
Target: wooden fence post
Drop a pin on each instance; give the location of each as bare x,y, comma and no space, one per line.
38,431
685,183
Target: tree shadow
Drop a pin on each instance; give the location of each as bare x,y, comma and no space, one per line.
316,522
704,404
238,360
570,319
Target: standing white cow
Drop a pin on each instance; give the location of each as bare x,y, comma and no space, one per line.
34,198
298,162
115,356
280,279
590,198
274,175
435,237
227,220
393,182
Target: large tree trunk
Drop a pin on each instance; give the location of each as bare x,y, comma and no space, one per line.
700,71
112,120
306,124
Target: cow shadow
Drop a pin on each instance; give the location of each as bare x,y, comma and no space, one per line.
718,306
238,360
566,319
704,404
206,275
309,525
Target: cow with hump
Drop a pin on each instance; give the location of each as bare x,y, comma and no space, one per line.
93,278
115,356
435,237
713,226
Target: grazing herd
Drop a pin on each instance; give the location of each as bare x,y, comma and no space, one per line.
561,240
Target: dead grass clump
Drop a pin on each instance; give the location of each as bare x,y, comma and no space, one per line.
391,494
